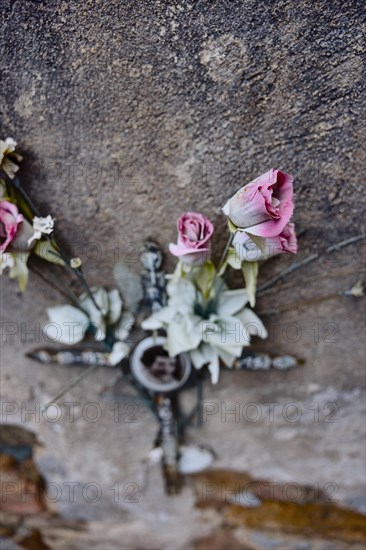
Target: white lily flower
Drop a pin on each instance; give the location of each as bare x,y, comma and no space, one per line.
41,226
222,336
182,295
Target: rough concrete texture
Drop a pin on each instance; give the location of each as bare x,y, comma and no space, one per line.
129,113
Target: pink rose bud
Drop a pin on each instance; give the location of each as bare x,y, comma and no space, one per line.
248,251
194,239
9,221
264,206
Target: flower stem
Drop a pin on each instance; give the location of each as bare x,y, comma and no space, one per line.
18,186
75,271
311,258
53,285
223,257
74,383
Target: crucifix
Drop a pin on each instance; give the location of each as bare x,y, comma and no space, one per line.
159,379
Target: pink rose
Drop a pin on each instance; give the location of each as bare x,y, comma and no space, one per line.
9,221
248,251
194,238
264,206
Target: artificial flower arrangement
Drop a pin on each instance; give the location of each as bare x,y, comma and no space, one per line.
194,319
202,316
27,240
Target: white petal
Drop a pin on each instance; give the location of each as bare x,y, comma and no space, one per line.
119,352
200,356
18,268
231,301
6,260
233,259
68,324
100,296
207,355
226,208
96,315
182,335
252,323
245,249
159,319
226,356
214,366
115,306
124,326
100,330
152,323
197,357
181,292
35,237
11,144
43,225
225,332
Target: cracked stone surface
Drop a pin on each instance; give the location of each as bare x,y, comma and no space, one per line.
128,114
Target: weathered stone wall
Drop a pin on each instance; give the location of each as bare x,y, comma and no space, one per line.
129,113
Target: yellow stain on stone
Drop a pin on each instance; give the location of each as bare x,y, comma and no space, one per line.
312,514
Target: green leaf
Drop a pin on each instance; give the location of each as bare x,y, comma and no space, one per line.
48,251
3,191
20,270
250,272
233,259
21,203
232,227
203,277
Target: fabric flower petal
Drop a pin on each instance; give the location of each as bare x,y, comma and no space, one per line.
115,306
206,355
119,351
97,316
68,324
182,334
231,301
159,319
252,323
124,326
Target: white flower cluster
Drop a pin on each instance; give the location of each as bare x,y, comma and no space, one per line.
103,313
221,334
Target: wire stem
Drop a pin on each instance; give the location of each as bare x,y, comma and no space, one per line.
75,271
311,258
223,256
74,383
